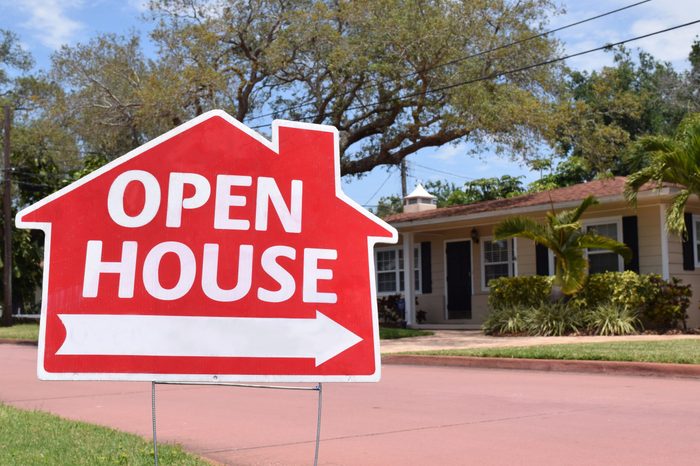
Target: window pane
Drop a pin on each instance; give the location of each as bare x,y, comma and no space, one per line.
386,260
416,280
607,262
495,271
401,286
386,282
605,229
401,259
496,251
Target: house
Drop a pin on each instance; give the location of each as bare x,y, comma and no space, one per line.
446,256
208,223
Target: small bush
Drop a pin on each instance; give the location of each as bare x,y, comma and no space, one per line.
611,303
524,291
388,310
553,319
612,319
507,320
669,304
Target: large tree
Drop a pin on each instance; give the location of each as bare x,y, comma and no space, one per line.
673,160
610,109
391,75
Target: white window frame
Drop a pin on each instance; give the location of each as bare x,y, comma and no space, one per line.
605,221
696,238
399,271
512,248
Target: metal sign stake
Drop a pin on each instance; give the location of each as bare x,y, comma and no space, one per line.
318,388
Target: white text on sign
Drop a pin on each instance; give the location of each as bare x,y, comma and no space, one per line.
267,192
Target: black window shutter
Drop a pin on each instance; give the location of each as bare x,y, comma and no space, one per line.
541,259
688,253
426,268
630,237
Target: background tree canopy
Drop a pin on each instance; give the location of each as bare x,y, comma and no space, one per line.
386,73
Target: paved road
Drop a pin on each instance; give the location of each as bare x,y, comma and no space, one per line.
414,416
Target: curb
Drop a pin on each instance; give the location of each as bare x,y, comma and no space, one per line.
551,365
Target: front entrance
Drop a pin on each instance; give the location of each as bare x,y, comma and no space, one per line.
459,279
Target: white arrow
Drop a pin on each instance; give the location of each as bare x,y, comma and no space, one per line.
139,335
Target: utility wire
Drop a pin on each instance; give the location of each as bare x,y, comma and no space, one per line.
498,74
464,58
378,189
443,172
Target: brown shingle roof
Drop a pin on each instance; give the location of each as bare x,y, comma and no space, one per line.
598,188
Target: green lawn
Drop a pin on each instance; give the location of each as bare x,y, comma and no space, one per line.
386,333
28,331
36,438
669,351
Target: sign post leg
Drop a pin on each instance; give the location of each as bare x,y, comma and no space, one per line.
318,422
153,418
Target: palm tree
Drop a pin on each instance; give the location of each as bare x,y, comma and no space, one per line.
673,160
563,234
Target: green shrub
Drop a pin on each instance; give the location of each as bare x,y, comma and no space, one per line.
624,289
612,319
660,304
609,303
669,305
506,320
524,291
553,319
388,310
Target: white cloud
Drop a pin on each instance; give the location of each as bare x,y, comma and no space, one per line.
672,46
449,151
139,5
49,21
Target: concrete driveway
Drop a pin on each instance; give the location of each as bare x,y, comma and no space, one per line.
414,416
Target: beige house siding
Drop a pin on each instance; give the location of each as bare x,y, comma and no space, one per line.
650,233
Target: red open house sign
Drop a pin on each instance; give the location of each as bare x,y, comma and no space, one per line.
211,254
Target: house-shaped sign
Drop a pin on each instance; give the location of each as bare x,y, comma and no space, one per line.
211,254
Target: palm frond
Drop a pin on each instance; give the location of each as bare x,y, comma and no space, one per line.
591,240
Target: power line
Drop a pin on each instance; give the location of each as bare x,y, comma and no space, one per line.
379,188
442,172
464,58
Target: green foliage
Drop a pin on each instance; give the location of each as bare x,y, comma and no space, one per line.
611,303
521,291
564,235
389,313
392,333
669,306
553,319
659,304
613,107
506,320
673,160
381,71
389,205
611,319
42,439
676,351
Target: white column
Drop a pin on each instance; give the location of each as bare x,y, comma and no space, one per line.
408,266
664,242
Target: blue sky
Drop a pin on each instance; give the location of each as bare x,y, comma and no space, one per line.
44,25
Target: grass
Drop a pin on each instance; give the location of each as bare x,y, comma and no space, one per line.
670,351
25,331
38,438
387,333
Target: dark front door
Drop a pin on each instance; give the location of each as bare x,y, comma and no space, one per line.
459,280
